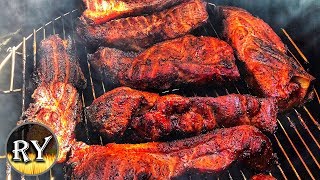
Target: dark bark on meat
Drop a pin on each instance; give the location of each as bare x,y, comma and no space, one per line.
58,63
269,70
188,60
140,32
128,115
212,152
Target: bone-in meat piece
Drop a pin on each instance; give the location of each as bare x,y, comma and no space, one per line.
144,116
58,107
188,60
140,32
212,152
269,70
58,62
100,11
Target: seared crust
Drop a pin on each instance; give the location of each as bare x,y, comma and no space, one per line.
269,70
124,113
212,152
57,106
187,60
140,32
58,62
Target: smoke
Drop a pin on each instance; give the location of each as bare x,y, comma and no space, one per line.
24,15
301,18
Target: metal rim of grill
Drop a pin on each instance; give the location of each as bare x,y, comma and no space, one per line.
296,141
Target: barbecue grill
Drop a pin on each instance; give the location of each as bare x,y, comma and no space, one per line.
296,142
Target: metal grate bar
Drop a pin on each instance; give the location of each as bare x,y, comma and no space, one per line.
295,58
244,177
91,81
13,62
287,157
317,95
307,128
304,143
63,28
34,49
296,151
312,118
295,45
24,59
282,173
53,28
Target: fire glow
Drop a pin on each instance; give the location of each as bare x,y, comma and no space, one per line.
32,167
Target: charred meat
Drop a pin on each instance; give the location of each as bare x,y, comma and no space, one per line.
185,60
137,116
269,70
140,32
98,12
57,106
58,63
212,152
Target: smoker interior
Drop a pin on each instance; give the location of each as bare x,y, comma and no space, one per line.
296,141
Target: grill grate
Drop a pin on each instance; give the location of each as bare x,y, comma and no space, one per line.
296,142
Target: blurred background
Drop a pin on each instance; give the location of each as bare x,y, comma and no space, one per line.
18,18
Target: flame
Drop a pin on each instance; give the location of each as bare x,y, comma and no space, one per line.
32,167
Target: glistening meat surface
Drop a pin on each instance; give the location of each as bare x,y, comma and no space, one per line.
269,70
98,12
212,152
140,32
57,106
134,116
188,60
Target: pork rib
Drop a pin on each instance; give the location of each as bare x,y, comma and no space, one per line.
185,60
98,12
57,106
212,152
269,70
140,32
131,115
58,62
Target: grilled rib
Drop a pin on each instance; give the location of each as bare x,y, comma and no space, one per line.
57,106
129,115
269,70
212,152
185,60
98,12
140,32
58,62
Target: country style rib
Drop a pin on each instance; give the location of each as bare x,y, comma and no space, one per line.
140,32
129,115
100,11
269,70
212,152
58,62
186,60
58,107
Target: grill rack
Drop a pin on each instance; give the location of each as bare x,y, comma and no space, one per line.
297,141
